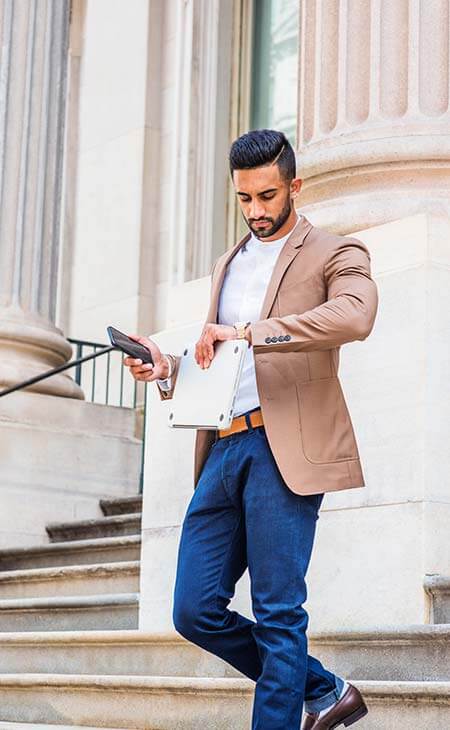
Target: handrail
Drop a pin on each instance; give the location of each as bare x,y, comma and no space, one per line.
105,350
59,369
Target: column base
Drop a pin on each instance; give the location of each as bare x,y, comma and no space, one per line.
29,349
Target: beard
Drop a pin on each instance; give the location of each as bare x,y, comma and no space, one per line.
276,223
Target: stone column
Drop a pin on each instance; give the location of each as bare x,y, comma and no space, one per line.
33,62
374,153
374,116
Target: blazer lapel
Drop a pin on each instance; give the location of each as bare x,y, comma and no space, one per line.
287,254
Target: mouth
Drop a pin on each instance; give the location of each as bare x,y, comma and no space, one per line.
261,224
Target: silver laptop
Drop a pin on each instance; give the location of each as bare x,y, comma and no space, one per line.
204,397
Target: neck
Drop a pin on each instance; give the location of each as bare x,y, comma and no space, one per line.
286,228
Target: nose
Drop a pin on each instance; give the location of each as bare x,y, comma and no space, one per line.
256,210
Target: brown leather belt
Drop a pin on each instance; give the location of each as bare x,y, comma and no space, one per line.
240,424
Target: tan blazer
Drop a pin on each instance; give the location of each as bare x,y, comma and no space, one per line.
320,295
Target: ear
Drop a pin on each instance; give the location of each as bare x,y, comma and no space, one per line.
295,186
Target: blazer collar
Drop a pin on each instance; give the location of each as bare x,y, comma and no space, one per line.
287,254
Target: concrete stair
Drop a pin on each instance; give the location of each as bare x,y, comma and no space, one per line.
63,613
87,678
71,580
404,653
412,653
123,505
90,582
72,552
190,703
71,657
123,524
42,726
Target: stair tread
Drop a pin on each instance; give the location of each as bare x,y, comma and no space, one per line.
71,545
429,632
63,571
187,703
414,632
102,520
419,653
93,600
118,505
230,684
40,726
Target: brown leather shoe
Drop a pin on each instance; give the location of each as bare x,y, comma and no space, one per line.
350,708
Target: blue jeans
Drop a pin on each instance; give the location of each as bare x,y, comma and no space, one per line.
242,514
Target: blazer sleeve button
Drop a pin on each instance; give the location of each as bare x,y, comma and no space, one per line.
287,337
281,338
267,340
274,339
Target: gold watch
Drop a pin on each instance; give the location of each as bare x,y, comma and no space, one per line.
240,329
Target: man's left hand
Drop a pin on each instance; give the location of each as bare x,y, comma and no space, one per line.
204,349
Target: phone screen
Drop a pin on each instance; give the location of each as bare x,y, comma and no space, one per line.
130,347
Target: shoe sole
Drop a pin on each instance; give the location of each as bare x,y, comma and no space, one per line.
354,717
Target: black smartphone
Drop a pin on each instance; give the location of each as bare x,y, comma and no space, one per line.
130,347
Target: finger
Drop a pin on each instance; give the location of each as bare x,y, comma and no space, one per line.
203,355
136,369
144,369
199,352
209,351
145,375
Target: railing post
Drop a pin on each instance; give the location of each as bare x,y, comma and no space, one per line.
141,478
78,367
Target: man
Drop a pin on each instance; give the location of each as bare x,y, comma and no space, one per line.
296,293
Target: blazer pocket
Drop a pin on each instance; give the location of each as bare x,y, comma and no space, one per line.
326,428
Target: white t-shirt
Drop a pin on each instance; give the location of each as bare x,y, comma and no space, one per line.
240,300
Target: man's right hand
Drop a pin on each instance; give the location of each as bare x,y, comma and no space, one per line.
146,371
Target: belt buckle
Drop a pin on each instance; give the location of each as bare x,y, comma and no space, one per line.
230,427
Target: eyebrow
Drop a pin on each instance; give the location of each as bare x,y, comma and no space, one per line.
263,192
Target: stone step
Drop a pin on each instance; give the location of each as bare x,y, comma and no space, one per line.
121,505
107,652
100,527
189,703
68,613
437,588
413,653
72,552
416,652
41,726
71,580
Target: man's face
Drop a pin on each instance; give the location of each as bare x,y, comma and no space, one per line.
265,198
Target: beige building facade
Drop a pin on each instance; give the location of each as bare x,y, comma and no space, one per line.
115,201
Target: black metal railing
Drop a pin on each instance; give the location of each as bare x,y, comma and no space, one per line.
98,384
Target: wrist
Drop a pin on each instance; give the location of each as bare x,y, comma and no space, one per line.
167,364
242,331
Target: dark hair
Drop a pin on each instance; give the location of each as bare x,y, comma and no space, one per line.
262,147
